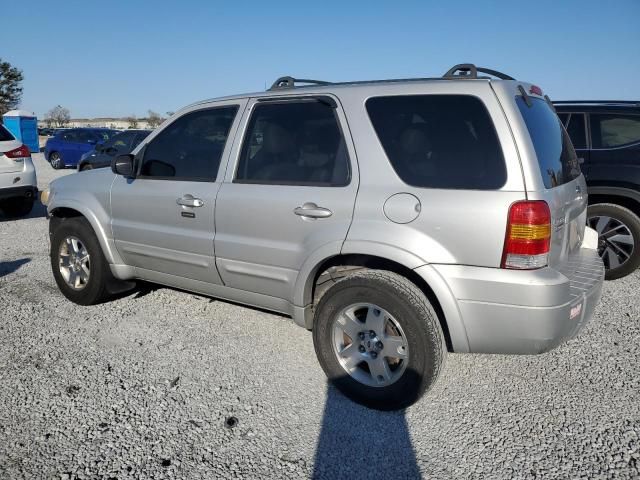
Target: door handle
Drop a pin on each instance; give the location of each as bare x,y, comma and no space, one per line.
311,210
190,201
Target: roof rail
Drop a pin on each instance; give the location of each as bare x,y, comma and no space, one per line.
596,102
469,70
290,82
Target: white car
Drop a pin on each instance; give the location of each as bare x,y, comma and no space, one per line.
18,183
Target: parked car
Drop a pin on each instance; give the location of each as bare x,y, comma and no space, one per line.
65,147
398,220
120,143
606,135
18,183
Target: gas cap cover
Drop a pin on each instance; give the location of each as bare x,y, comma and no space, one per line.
402,208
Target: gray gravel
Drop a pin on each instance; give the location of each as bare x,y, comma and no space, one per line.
141,387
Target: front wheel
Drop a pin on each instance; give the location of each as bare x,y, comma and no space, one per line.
78,264
618,238
378,339
56,160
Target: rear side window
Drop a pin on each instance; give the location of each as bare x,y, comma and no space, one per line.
191,147
556,156
610,130
577,131
5,135
294,143
439,141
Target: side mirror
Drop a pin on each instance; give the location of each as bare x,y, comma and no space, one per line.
123,165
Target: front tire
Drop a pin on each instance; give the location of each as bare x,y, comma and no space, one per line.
78,264
618,238
56,160
378,339
17,207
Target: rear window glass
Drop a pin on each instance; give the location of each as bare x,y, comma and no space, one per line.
439,141
609,130
556,156
5,135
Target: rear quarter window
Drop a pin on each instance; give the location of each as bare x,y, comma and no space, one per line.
439,141
556,156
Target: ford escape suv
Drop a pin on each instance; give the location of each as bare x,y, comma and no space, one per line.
18,184
398,220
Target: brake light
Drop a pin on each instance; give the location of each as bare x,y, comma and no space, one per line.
20,152
528,238
536,90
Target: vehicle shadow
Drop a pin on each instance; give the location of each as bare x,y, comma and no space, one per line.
9,267
38,211
357,442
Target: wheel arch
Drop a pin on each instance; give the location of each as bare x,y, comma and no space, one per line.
620,196
61,212
328,269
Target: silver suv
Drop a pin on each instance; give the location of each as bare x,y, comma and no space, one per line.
397,219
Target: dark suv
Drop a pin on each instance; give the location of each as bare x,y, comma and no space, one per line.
606,136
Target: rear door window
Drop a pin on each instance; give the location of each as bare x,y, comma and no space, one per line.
439,141
5,135
611,130
294,143
577,131
557,158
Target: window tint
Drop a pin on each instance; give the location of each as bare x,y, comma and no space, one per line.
83,136
577,131
70,136
5,135
191,147
610,130
439,141
139,138
556,156
121,142
294,143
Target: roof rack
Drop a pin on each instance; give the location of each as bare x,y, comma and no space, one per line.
597,102
469,70
290,82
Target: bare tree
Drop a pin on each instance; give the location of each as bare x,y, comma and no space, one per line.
154,119
133,121
169,113
10,87
58,116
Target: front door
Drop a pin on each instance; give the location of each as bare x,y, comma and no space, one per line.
288,196
163,220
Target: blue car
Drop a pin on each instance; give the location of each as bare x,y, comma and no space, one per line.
65,147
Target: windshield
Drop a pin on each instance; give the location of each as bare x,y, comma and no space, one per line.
556,156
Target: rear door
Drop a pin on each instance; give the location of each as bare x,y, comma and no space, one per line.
560,182
290,194
8,143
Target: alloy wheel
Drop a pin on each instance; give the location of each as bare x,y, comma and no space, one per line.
74,263
370,344
615,240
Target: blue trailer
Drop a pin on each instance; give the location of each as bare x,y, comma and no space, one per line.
24,126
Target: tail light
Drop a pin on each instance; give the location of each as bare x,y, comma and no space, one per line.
528,239
20,152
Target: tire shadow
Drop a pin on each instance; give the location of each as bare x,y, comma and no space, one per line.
9,267
359,443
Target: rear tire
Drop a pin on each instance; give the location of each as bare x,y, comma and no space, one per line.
409,326
17,207
56,160
85,167
76,234
618,238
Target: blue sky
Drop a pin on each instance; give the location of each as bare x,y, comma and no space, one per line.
104,58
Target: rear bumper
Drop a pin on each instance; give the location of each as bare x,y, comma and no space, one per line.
525,312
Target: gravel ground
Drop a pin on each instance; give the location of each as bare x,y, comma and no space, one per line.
141,387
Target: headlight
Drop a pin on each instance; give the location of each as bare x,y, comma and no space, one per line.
44,196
